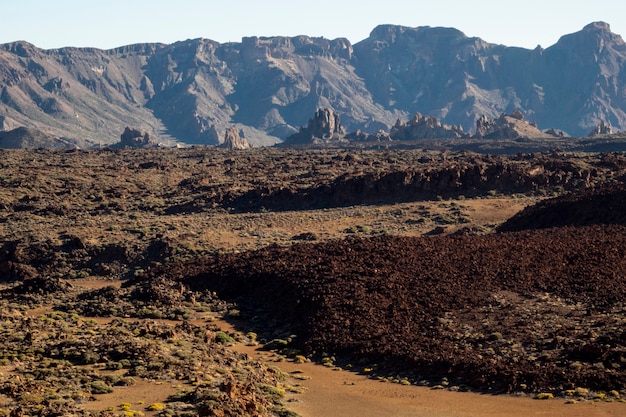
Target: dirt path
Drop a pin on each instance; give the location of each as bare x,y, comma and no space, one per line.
347,394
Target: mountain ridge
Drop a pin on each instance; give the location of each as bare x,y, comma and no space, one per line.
267,87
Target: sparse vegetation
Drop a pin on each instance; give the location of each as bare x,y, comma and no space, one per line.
74,223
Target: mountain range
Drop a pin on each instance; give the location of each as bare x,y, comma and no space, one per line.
267,87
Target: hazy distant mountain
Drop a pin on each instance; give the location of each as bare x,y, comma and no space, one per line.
194,90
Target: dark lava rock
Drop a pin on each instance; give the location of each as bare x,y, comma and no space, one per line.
604,205
426,307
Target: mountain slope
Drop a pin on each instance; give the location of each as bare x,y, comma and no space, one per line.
193,91
83,93
584,79
572,85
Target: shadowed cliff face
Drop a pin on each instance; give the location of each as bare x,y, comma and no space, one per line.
193,90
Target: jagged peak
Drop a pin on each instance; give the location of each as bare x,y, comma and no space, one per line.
140,48
301,44
388,32
602,26
599,33
20,48
195,43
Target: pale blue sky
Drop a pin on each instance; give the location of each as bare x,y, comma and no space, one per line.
111,23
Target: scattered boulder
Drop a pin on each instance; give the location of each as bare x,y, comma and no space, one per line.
233,139
424,127
325,126
134,138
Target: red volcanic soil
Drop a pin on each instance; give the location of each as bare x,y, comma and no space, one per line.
528,311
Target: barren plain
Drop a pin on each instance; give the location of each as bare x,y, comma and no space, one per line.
398,273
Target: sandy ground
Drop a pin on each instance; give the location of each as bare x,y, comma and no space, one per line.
342,393
139,396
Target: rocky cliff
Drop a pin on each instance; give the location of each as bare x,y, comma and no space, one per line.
190,91
571,85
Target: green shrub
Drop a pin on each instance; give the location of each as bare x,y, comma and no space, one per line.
156,407
99,387
223,338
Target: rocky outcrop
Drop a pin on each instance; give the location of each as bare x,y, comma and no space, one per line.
233,140
512,126
603,128
324,127
133,138
424,127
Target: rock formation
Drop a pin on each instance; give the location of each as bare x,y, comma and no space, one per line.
602,129
360,136
424,127
512,126
324,127
233,140
133,138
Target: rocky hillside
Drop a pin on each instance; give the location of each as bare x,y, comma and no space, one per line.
192,91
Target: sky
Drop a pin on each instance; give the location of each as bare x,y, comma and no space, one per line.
108,24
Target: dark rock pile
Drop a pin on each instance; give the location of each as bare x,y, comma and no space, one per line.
604,205
529,311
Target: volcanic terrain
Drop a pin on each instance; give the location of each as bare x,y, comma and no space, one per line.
405,266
